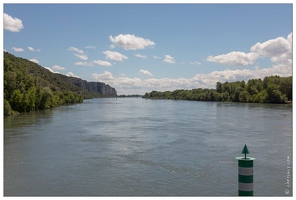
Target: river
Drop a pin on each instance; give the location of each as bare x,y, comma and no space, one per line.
139,147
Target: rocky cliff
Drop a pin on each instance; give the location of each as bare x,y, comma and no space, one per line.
102,88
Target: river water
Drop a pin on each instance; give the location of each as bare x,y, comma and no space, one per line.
139,147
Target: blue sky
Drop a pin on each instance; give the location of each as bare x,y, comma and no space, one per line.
137,48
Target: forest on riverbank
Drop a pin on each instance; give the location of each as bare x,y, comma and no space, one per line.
29,86
272,89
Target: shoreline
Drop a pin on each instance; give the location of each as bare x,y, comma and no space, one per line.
285,103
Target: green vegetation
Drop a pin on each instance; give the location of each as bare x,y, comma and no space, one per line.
272,89
29,87
24,92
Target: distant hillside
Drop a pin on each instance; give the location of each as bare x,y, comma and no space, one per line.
29,86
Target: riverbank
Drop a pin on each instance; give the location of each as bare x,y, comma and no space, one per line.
272,89
287,102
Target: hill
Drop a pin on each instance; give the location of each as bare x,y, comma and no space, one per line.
29,86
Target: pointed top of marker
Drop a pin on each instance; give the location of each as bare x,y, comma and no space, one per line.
245,151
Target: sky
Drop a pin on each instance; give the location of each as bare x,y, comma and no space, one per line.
138,48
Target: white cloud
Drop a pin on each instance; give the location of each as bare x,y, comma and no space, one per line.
235,58
90,47
31,48
279,51
256,67
56,67
106,76
169,59
126,85
281,58
102,63
113,55
156,57
84,63
51,70
80,52
17,49
195,63
131,42
48,68
145,72
273,47
81,56
34,60
70,74
12,24
76,50
140,56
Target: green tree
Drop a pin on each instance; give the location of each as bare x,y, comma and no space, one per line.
285,87
261,97
31,98
219,87
274,95
46,96
7,109
10,83
16,101
272,89
244,96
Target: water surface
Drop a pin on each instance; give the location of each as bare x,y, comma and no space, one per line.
138,147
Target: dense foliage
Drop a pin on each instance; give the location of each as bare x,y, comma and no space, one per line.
26,89
272,89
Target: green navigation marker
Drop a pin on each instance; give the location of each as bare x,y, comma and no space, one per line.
245,174
245,151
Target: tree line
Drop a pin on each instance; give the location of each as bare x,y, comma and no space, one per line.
272,89
24,92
